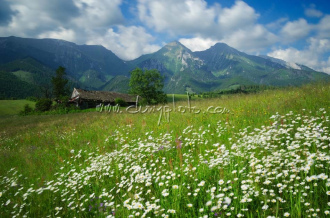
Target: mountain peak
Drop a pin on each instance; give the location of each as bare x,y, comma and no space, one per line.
224,48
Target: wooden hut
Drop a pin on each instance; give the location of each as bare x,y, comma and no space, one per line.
89,99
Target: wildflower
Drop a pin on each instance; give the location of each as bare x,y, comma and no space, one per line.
165,194
189,205
244,187
208,203
175,186
214,208
286,214
171,211
202,183
227,200
221,182
326,212
201,210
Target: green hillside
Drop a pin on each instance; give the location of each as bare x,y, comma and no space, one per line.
117,84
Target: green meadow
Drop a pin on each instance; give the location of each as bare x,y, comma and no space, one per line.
245,155
13,107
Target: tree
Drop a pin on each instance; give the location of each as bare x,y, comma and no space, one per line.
59,83
27,110
43,104
148,84
120,102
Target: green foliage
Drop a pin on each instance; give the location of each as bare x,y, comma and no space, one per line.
12,87
148,84
43,104
27,110
120,102
59,83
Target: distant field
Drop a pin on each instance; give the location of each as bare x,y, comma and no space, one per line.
12,107
179,97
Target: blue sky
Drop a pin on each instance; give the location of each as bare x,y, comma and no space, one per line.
292,30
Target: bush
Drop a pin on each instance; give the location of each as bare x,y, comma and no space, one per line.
44,104
120,102
27,110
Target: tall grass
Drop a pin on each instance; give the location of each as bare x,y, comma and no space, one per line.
267,156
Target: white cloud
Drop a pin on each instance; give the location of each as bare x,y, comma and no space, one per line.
326,66
239,16
197,43
98,14
312,56
253,39
323,27
177,17
40,17
61,33
127,43
312,12
277,24
295,30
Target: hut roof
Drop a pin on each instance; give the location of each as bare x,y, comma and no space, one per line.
103,96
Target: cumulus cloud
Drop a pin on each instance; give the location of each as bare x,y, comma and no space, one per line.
277,24
253,39
239,16
29,20
40,17
312,12
295,30
127,43
98,14
177,17
197,43
311,56
323,27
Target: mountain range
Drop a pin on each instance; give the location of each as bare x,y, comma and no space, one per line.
28,64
